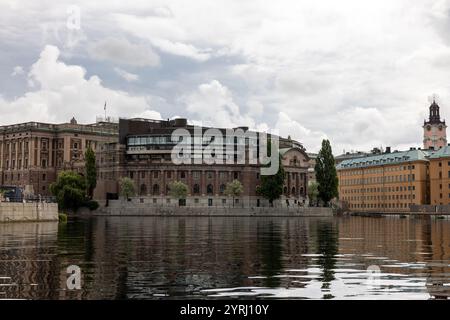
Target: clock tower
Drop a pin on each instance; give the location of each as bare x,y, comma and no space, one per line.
434,130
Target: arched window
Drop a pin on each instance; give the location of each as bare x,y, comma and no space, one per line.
167,189
285,190
196,189
301,190
155,189
293,191
209,189
222,188
143,190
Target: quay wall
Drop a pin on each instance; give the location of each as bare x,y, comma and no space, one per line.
30,211
124,208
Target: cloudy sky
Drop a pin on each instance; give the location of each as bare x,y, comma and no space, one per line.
357,72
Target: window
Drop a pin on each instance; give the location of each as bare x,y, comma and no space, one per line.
222,188
155,189
155,174
44,177
236,175
196,189
183,174
169,174
209,189
196,175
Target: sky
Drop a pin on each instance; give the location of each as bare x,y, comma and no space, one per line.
359,73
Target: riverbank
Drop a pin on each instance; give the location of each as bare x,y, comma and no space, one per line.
29,211
121,208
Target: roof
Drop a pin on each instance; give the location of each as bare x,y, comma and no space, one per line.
283,151
443,152
386,158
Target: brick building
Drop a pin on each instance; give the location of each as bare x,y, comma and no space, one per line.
143,153
32,153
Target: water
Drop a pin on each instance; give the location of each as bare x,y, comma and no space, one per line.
173,257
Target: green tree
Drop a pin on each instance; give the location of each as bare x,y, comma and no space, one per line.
271,186
313,192
326,174
234,189
178,190
91,172
69,190
127,188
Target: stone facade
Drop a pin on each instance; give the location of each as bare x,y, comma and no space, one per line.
144,154
32,154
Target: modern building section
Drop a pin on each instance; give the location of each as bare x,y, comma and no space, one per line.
32,153
434,130
143,153
440,176
386,182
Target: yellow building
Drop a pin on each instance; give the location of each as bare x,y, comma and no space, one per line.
385,182
440,176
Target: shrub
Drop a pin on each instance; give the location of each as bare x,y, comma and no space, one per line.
92,205
62,217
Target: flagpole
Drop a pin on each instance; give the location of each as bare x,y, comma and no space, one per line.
105,110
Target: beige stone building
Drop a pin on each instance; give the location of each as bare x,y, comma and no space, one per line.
32,153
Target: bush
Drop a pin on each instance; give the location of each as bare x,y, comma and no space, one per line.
92,205
62,217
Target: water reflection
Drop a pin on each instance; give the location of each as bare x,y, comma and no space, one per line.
156,257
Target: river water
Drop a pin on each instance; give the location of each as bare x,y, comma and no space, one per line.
219,257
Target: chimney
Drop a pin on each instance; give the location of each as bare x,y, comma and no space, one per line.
388,150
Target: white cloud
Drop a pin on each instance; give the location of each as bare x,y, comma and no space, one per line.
358,72
213,104
163,33
64,91
130,77
123,52
18,70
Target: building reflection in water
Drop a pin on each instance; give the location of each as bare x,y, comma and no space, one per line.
157,257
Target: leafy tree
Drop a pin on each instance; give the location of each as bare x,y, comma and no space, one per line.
127,188
234,189
91,172
271,186
313,192
178,190
69,190
326,174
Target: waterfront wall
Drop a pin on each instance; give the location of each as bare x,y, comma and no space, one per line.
126,208
30,211
428,208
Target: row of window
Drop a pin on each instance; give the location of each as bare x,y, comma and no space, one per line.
183,174
167,139
385,179
382,189
383,197
379,205
16,177
378,170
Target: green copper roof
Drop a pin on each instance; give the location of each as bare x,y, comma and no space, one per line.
443,152
386,158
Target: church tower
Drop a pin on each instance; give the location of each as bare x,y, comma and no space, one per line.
434,130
